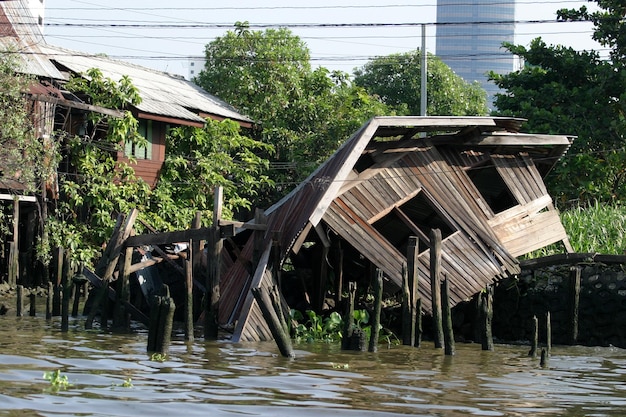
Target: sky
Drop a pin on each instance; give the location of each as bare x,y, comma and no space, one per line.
164,35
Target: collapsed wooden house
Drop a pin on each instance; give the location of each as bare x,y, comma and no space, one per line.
476,179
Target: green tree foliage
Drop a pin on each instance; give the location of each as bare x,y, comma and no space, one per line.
21,151
198,160
562,91
101,187
305,113
396,79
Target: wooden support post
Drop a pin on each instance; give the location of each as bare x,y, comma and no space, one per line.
56,299
534,343
412,259
106,266
214,254
66,290
14,246
378,301
33,304
418,322
544,358
349,317
338,273
20,300
574,300
486,314
435,285
189,294
121,316
271,317
77,294
548,334
407,333
49,296
197,245
448,332
161,322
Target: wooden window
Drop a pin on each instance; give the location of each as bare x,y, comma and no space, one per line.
416,217
135,150
492,187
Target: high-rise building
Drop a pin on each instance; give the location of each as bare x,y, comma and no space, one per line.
470,34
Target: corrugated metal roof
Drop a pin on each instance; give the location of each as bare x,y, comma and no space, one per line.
19,33
162,93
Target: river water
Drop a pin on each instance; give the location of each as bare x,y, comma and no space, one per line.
112,375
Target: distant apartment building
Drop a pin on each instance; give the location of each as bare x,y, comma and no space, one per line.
195,65
470,34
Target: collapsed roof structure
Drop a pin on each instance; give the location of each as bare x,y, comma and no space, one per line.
476,179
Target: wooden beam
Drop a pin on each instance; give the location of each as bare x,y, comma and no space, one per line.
202,233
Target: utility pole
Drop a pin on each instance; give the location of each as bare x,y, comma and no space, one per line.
424,74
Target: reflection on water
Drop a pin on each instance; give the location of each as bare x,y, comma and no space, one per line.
224,379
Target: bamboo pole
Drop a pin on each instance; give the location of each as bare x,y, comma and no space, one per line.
413,278
49,296
548,334
407,332
435,285
33,304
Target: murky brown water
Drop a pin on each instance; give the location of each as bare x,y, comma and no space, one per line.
224,379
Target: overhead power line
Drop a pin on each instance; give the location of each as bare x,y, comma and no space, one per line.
152,25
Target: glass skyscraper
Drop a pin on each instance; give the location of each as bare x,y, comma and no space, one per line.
470,34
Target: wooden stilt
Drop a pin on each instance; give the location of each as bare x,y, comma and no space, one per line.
574,300
33,304
534,343
548,334
271,317
378,301
20,300
49,296
349,317
435,285
215,246
487,317
448,332
189,295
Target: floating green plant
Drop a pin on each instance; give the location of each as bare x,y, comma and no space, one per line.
57,381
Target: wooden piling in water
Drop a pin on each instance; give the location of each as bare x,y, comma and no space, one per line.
407,333
435,286
20,301
378,301
534,343
544,358
66,291
486,318
214,254
281,337
33,304
574,301
49,296
189,295
412,269
446,309
548,334
161,320
349,317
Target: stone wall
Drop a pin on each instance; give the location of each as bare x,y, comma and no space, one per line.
602,304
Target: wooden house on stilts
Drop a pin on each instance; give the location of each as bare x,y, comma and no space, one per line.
476,179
